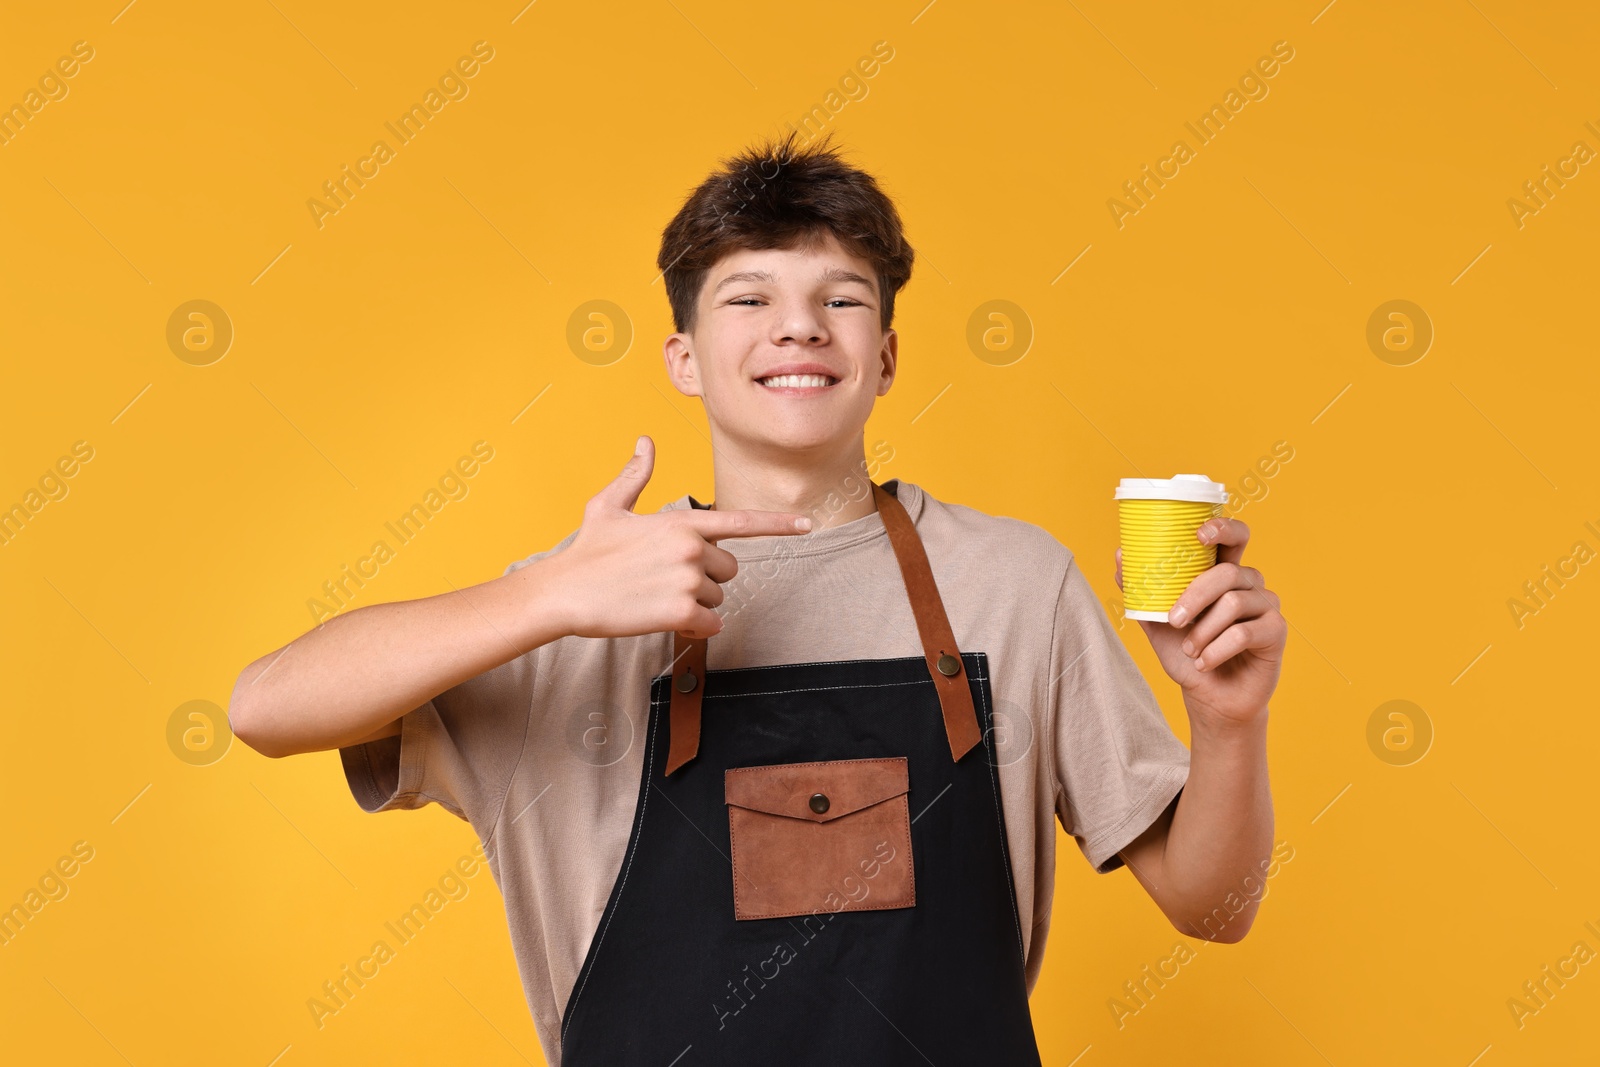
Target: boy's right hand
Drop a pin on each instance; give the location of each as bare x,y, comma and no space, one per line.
627,574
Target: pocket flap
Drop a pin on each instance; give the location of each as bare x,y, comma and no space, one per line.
787,788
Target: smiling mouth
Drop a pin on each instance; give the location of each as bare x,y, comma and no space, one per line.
798,381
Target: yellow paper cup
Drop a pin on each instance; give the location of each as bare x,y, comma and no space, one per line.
1160,554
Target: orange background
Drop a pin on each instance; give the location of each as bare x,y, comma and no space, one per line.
1228,314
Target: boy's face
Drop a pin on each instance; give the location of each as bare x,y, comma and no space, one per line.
762,311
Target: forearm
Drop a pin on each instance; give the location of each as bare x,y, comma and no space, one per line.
1221,832
362,670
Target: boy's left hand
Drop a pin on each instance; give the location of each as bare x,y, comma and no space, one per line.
1226,645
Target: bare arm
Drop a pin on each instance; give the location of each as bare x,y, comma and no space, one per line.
1204,862
353,677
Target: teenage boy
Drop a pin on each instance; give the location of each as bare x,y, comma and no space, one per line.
818,825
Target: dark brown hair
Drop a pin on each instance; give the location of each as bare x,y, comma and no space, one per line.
782,194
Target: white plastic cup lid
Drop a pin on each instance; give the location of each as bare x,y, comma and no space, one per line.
1196,488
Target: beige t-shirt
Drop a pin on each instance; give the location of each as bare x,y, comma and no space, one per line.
543,754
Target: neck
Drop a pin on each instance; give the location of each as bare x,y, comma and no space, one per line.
830,490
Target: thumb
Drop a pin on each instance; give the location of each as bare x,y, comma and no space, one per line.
624,490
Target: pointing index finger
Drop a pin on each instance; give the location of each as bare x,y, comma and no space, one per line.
717,525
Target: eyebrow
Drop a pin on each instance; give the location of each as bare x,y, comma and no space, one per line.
832,274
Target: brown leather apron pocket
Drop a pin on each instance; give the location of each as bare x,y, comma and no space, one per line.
813,838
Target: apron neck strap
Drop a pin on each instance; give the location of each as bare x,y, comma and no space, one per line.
945,665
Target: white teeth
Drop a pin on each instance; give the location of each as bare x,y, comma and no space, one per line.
793,381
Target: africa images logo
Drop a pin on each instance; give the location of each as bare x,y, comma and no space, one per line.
452,85
1252,86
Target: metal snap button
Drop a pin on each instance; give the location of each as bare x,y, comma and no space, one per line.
687,681
819,802
949,666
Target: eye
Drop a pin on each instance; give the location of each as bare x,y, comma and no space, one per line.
755,301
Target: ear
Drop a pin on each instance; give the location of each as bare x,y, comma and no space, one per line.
681,369
889,358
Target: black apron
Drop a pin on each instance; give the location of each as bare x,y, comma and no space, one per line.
817,871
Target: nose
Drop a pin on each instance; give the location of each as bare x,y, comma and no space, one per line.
799,323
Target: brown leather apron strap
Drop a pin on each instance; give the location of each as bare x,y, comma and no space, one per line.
688,670
933,627
938,640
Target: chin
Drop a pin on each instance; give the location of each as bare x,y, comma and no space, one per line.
801,438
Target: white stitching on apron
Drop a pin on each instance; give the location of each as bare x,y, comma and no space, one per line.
813,663
650,758
824,688
999,814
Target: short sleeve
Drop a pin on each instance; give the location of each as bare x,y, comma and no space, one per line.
458,750
1117,763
